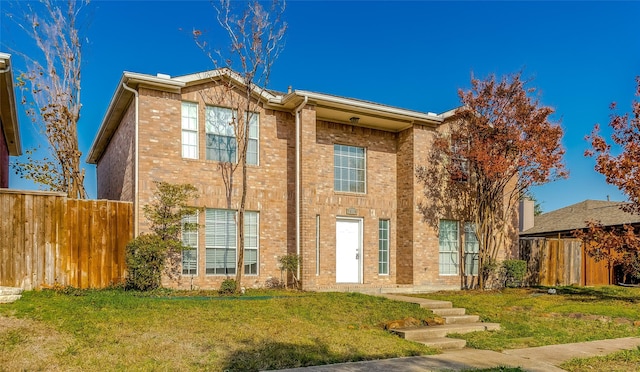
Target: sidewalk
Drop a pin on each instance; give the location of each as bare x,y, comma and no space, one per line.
535,359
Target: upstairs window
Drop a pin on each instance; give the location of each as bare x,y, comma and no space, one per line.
349,169
189,130
252,146
459,167
221,136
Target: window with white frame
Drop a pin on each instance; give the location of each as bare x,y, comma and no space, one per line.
383,247
190,239
252,144
220,241
251,243
349,168
221,136
449,237
471,248
189,130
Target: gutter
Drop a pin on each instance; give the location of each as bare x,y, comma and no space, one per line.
136,197
298,114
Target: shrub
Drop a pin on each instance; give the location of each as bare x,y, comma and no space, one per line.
289,263
228,287
514,272
145,259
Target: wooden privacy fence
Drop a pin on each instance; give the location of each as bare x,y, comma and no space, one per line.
47,239
552,262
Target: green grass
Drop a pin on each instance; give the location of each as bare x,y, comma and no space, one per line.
198,330
531,317
622,361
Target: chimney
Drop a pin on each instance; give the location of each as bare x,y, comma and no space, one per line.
525,214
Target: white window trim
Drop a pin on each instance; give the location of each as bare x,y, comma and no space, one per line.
257,138
466,252
456,251
257,248
236,245
234,114
388,248
195,248
364,155
196,130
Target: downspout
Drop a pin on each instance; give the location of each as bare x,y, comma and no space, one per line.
298,113
135,180
5,70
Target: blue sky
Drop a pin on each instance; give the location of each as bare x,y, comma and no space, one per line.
415,55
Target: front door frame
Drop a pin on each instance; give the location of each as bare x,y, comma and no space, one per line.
360,255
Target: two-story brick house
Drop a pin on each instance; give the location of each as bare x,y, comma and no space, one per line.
330,178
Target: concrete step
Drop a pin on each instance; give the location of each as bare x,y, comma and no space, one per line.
10,291
461,319
435,304
425,333
423,302
10,294
7,299
444,343
449,312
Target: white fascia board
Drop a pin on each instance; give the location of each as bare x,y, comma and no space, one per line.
8,100
364,105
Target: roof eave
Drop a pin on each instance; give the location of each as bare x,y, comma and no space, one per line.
8,110
119,103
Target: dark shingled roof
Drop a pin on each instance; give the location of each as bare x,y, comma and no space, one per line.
574,216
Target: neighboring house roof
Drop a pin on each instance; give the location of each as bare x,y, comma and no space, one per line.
575,216
328,107
8,116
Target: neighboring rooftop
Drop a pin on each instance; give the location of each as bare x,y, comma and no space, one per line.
575,216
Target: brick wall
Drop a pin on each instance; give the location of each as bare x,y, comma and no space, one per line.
115,169
269,186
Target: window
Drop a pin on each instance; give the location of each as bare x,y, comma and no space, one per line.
251,243
220,241
190,239
221,137
459,167
383,247
471,247
449,243
252,146
349,168
189,130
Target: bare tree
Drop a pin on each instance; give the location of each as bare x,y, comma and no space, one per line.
256,38
53,84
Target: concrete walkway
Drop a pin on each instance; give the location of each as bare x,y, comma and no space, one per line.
535,359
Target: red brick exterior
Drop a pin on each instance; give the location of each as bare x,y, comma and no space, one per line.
392,191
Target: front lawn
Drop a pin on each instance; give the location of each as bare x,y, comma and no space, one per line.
533,317
117,330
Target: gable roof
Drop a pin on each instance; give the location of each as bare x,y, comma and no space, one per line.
8,116
328,107
574,216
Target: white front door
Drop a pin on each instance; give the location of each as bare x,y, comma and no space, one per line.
348,250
